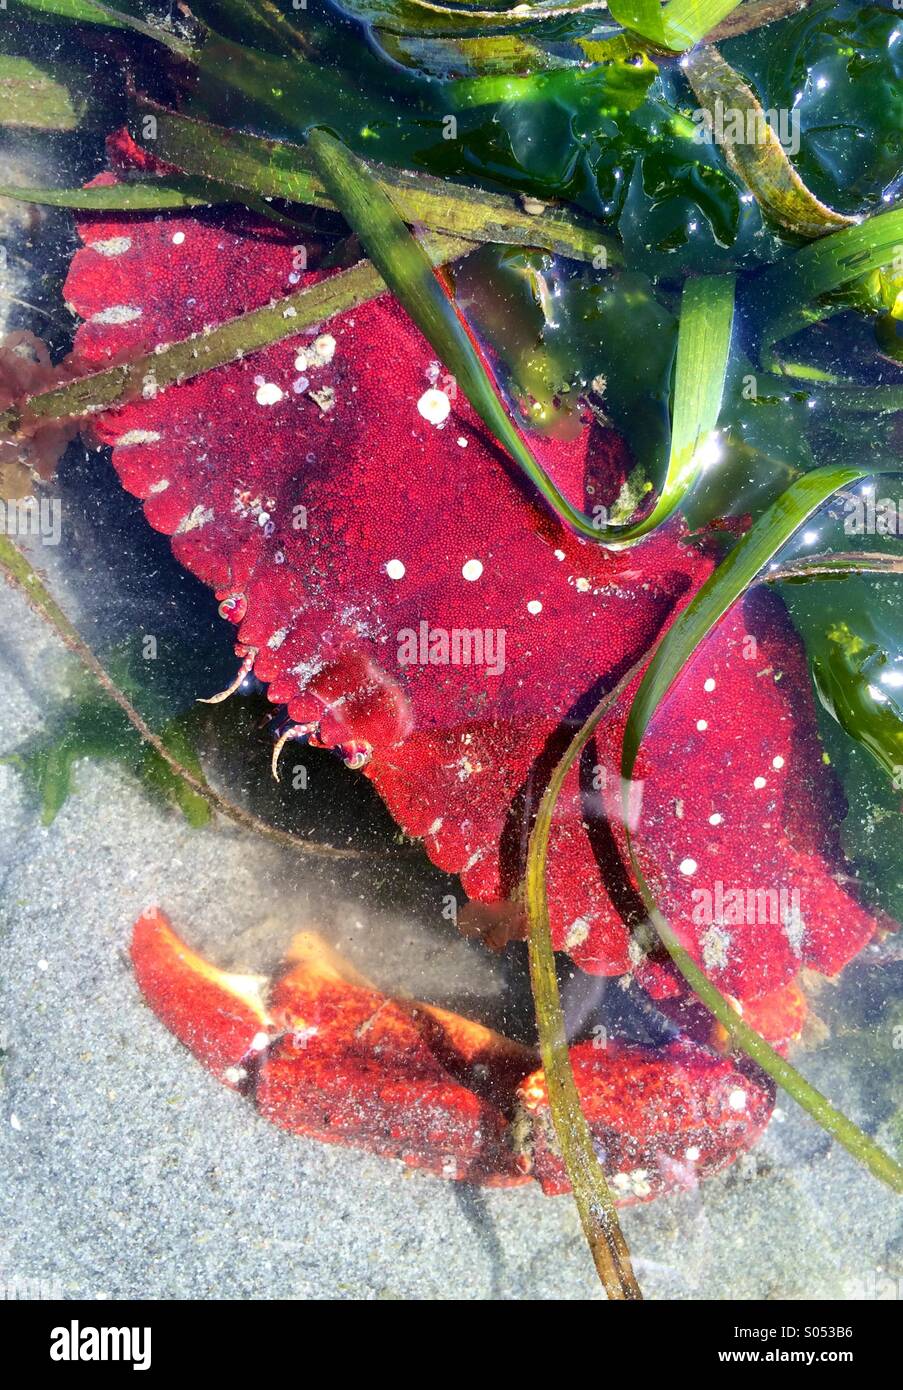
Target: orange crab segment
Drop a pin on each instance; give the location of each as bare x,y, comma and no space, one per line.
660,1120
221,1017
779,1016
356,1067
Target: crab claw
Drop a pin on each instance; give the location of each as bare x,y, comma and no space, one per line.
221,1017
660,1119
330,1057
323,1053
403,1080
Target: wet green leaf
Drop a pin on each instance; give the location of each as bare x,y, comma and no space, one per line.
111,16
702,347
677,25
41,96
121,197
802,281
735,114
90,727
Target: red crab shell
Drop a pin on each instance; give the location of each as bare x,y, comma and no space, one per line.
324,1054
306,486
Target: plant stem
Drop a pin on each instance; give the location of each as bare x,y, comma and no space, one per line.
836,566
754,15
833,1121
281,169
235,338
591,1191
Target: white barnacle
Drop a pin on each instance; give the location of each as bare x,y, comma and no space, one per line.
133,437
576,933
268,393
434,406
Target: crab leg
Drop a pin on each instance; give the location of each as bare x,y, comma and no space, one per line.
243,671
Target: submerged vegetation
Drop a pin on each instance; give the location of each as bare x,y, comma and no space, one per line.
583,208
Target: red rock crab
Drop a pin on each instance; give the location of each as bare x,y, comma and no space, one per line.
404,598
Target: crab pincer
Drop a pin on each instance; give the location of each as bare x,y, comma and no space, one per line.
324,1054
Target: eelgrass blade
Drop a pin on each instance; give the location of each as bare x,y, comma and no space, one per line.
702,352
674,652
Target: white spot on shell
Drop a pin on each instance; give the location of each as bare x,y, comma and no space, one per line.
269,394
395,569
715,943
158,487
777,763
434,406
137,437
472,569
194,520
112,246
576,933
709,685
688,866
716,819
117,314
322,350
178,238
702,725
759,783
534,606
737,1099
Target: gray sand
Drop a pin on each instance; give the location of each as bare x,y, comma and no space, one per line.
128,1172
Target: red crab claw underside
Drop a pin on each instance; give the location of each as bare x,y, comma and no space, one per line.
354,540
324,1054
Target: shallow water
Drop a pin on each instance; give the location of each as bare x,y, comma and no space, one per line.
107,1116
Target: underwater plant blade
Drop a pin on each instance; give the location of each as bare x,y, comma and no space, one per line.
703,342
41,96
673,653
404,266
157,195
592,1195
761,163
703,349
89,12
677,26
281,169
827,265
732,577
